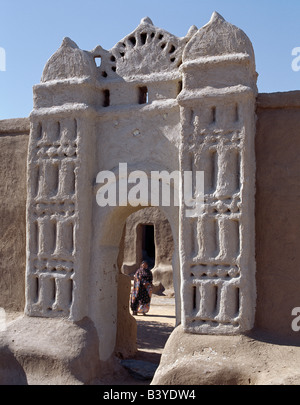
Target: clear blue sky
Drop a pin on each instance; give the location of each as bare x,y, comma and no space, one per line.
32,30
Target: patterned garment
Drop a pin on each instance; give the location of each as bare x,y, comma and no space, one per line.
142,291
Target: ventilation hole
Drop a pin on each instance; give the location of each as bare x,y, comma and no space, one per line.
172,59
238,170
70,291
53,236
160,37
97,60
57,134
213,172
53,178
122,54
132,40
53,289
104,74
213,115
194,298
216,292
112,58
68,237
73,179
39,131
36,289
36,180
163,45
74,241
179,87
36,237
143,95
152,35
172,49
237,301
113,68
143,38
106,98
75,130
236,113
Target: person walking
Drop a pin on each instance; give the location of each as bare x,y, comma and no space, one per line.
142,290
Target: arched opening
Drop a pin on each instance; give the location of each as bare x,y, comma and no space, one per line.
109,284
147,235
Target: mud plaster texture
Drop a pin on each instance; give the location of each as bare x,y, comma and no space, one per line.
59,352
277,236
270,353
14,136
220,360
277,212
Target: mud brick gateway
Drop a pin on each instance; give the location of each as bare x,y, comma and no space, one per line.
156,102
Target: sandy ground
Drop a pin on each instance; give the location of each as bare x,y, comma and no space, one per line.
153,331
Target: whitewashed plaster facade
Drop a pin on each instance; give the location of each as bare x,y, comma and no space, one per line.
156,102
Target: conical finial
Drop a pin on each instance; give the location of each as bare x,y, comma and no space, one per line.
146,20
68,42
193,29
214,18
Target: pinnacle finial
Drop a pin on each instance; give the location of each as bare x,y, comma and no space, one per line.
216,16
68,42
193,29
146,20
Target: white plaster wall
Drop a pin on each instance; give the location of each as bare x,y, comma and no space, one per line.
108,225
162,134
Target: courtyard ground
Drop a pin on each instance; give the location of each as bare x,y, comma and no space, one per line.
155,328
153,331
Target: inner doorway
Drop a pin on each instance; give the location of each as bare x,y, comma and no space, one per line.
148,244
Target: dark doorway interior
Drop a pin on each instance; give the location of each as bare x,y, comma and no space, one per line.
148,244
